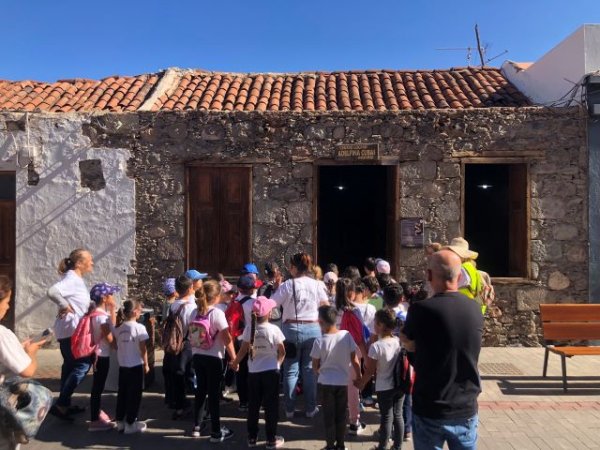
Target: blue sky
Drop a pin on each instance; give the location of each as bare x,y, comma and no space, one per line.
48,40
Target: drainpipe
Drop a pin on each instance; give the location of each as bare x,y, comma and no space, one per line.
592,85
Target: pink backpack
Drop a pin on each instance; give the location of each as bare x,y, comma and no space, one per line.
199,332
82,341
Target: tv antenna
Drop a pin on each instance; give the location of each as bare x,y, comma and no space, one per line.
481,50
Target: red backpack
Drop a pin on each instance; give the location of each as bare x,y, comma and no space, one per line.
353,325
82,341
235,316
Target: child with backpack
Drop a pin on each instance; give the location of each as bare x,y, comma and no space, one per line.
263,342
239,314
382,358
209,339
349,318
132,354
102,326
333,354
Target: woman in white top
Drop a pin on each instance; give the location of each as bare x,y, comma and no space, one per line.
73,300
208,362
15,358
300,298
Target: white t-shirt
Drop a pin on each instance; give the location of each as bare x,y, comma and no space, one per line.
309,294
334,351
266,340
73,289
129,335
186,312
13,359
218,323
385,352
97,322
367,311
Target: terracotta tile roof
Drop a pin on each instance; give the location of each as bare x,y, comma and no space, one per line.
175,89
109,94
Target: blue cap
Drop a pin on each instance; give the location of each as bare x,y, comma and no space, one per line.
168,286
102,289
246,282
250,268
194,275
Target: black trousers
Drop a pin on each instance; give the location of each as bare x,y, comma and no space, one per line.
241,377
391,422
263,390
100,375
209,375
335,400
176,367
129,397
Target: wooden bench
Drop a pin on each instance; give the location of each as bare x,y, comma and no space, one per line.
569,322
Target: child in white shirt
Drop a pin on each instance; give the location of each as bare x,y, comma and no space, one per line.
332,355
263,341
133,364
382,358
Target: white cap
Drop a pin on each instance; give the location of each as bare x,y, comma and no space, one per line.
383,267
330,277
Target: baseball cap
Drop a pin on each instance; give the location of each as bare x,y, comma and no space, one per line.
330,277
383,267
250,268
101,289
226,286
168,286
246,282
194,275
262,306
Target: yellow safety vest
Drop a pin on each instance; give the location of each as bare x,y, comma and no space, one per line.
475,287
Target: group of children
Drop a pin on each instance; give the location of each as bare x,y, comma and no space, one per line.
354,357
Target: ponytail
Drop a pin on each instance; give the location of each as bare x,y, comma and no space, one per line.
201,301
71,261
387,319
252,335
206,295
343,288
302,262
127,311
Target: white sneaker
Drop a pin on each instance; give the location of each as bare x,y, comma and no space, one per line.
226,433
135,427
277,443
313,413
357,429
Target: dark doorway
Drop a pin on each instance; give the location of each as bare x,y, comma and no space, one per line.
8,236
496,217
353,214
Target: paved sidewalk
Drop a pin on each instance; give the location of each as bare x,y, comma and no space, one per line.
518,410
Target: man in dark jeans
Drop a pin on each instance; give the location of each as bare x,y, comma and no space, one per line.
445,333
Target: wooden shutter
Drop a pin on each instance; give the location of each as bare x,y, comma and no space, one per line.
8,236
392,226
219,229
518,231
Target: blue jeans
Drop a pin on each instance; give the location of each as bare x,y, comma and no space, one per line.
303,336
73,372
430,434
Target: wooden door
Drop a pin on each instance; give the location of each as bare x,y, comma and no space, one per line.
219,218
518,229
8,236
393,225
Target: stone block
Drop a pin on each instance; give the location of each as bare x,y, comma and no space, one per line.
557,281
548,208
529,299
546,251
299,212
565,232
156,232
302,171
577,253
284,192
339,132
449,170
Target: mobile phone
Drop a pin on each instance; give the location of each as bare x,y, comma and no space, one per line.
45,335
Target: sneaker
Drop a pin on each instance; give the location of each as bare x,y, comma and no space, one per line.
277,443
135,427
357,428
226,433
120,426
197,430
251,442
243,407
407,436
361,407
101,425
313,413
289,415
104,416
368,401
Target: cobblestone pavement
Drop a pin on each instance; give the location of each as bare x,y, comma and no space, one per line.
518,410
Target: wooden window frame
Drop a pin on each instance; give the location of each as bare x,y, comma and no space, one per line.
506,161
218,164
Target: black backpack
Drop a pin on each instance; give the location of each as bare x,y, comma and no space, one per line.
404,374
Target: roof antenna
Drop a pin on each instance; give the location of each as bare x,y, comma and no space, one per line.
481,50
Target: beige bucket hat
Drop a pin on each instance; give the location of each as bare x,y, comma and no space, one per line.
460,246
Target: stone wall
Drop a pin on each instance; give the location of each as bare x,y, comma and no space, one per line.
429,147
75,195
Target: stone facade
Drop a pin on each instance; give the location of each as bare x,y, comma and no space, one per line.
428,146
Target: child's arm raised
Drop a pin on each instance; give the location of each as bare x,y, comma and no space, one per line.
235,364
370,368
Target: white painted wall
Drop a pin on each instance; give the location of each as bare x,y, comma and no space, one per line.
554,74
59,215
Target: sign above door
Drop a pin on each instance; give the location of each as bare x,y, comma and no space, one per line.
357,152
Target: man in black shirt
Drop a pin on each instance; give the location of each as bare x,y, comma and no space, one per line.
445,333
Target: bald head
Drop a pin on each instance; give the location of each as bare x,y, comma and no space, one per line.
444,269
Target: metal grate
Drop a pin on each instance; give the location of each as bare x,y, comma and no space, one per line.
499,369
